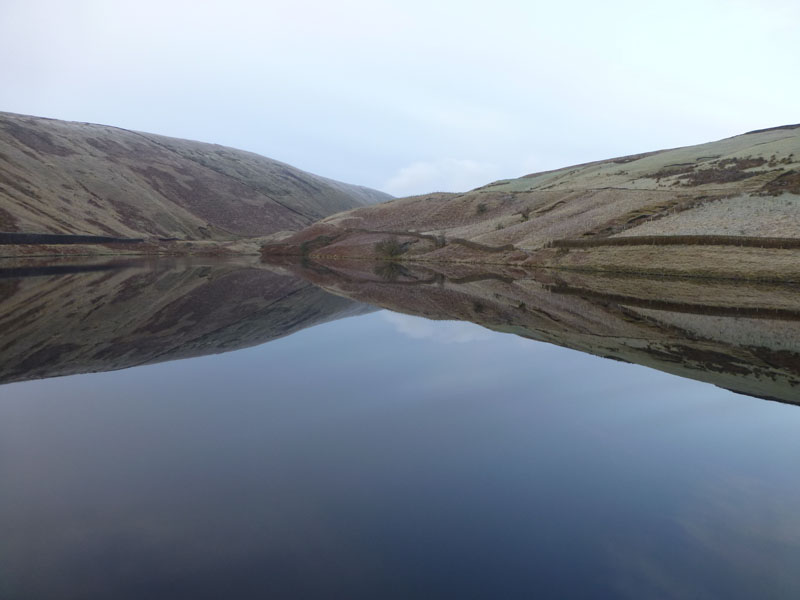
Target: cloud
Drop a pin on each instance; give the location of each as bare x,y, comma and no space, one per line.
446,332
444,175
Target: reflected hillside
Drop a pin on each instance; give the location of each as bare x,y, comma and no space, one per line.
743,337
68,318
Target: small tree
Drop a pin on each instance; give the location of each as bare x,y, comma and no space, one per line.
390,248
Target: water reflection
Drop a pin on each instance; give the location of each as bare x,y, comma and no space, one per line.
81,317
388,456
741,336
75,318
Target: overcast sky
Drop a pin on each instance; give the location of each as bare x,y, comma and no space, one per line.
410,96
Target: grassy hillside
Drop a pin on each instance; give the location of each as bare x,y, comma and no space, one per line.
79,178
745,187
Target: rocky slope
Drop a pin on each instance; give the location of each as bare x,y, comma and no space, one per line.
79,178
746,187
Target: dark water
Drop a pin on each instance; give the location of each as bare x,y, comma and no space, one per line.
373,455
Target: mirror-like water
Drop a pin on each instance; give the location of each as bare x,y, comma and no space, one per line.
378,454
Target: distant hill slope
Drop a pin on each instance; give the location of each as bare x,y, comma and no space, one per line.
80,178
746,186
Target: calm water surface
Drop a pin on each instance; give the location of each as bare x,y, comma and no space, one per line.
389,456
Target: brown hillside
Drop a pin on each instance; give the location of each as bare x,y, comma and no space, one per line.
744,187
80,178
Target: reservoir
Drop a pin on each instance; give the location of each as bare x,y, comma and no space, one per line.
208,430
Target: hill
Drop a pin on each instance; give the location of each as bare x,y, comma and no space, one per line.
739,192
59,177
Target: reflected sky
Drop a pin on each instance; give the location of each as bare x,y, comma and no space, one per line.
387,456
